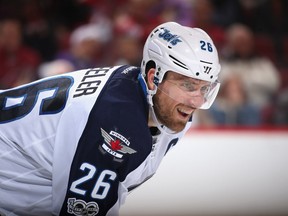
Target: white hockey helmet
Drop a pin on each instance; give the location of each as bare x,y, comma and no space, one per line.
184,50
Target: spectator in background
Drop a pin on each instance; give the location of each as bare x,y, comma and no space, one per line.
87,46
129,50
260,76
18,63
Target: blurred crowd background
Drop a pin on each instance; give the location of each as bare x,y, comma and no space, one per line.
40,38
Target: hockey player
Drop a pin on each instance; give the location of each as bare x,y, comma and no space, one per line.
78,143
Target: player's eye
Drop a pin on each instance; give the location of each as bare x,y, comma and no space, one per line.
188,86
205,89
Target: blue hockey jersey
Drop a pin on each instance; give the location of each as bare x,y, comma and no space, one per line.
77,143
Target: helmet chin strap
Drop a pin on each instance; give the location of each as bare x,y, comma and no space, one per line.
161,127
149,95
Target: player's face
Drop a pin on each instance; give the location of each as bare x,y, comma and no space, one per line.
177,98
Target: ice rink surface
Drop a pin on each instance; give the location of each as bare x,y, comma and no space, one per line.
218,172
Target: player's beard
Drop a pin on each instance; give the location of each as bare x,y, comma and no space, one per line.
167,112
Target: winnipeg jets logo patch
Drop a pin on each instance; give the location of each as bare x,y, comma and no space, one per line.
116,144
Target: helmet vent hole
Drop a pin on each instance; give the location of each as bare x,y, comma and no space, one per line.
197,74
211,77
169,47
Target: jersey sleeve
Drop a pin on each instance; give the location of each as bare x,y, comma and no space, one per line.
115,141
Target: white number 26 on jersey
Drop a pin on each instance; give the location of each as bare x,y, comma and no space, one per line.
101,187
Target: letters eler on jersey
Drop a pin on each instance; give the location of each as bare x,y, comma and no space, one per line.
78,143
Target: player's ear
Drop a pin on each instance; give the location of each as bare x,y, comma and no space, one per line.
150,78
